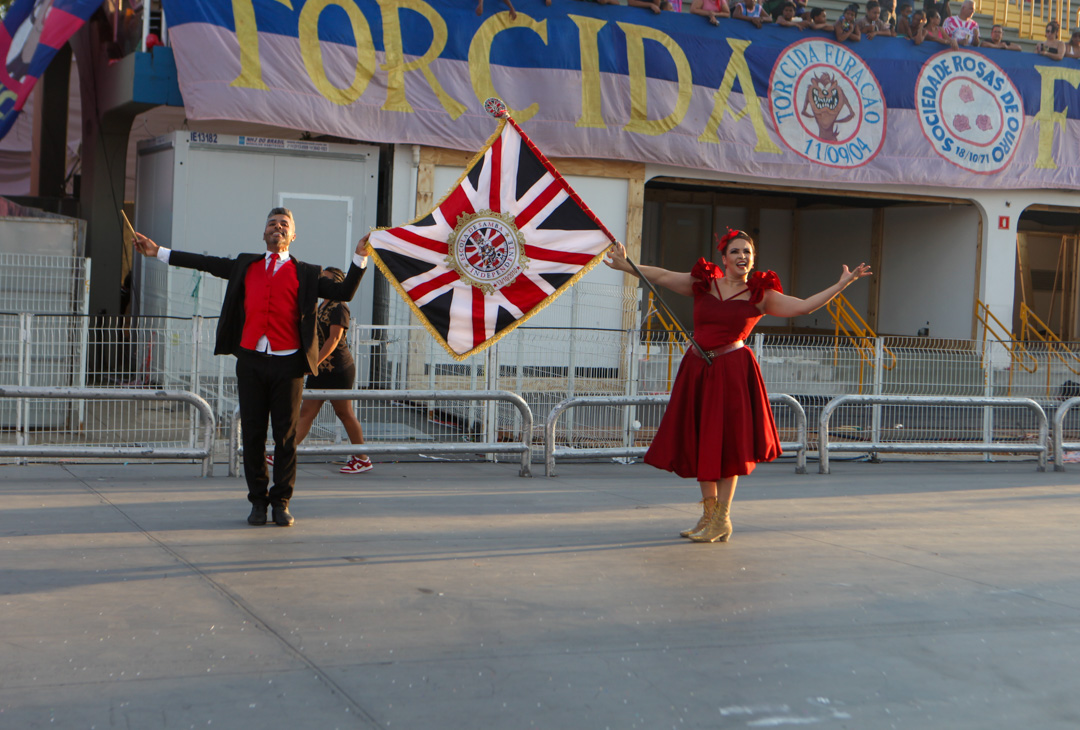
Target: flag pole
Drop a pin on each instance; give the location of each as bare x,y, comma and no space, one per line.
704,355
496,108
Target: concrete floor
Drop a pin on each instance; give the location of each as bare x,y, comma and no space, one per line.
459,595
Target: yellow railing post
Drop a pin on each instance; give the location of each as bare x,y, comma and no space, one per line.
1055,346
672,335
1013,344
850,324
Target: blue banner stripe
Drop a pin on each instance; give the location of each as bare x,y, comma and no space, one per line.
895,62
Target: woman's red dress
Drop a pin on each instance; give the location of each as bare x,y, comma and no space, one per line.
718,423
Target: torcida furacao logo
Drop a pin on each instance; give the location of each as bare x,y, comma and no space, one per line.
826,104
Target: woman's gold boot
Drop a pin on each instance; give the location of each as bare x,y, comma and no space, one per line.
708,507
718,528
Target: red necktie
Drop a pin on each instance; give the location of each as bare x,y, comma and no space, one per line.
273,264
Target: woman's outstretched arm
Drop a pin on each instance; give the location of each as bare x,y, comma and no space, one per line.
783,305
680,283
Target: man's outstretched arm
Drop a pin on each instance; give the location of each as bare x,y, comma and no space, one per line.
214,265
344,290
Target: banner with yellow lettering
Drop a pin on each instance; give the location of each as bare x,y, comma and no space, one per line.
31,32
615,82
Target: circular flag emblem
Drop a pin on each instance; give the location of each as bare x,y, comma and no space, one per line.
827,104
487,250
969,110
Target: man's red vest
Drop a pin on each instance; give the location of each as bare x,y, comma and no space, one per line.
270,307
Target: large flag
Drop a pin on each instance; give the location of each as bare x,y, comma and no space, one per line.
31,33
509,238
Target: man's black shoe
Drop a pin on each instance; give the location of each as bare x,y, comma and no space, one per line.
282,518
258,513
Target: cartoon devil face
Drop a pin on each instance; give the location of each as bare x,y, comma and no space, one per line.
825,101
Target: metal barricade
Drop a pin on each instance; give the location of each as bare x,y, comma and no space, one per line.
1059,434
551,450
524,446
873,446
205,454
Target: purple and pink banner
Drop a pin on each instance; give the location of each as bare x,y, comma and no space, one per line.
616,82
31,33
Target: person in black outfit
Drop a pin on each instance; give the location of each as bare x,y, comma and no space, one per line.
268,322
337,371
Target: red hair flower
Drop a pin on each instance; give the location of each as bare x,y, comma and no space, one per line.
722,242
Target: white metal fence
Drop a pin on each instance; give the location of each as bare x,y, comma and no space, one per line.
543,365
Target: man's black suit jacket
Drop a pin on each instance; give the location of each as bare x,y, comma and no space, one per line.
312,287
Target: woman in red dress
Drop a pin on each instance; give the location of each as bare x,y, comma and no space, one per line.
718,424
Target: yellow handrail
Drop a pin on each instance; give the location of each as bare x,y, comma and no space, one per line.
1016,349
1054,344
673,336
851,324
1029,17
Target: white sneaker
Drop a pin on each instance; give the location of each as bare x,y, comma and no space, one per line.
357,465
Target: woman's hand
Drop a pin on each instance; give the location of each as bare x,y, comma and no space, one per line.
854,275
616,258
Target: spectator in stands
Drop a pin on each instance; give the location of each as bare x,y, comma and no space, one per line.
1073,49
847,28
888,14
903,21
997,40
787,17
942,8
963,28
932,31
711,9
510,5
656,6
871,24
816,19
1053,47
751,12
917,25
775,8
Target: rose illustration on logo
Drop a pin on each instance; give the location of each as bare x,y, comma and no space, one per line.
487,250
969,110
826,104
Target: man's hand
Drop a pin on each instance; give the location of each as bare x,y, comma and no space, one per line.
145,246
362,248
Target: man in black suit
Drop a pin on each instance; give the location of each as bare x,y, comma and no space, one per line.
268,322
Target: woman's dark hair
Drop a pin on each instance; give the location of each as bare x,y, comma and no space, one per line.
932,14
335,273
854,7
1054,25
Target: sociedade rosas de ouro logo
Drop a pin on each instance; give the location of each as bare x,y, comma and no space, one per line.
969,110
827,104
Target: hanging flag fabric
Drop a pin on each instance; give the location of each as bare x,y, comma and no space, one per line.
509,238
31,33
